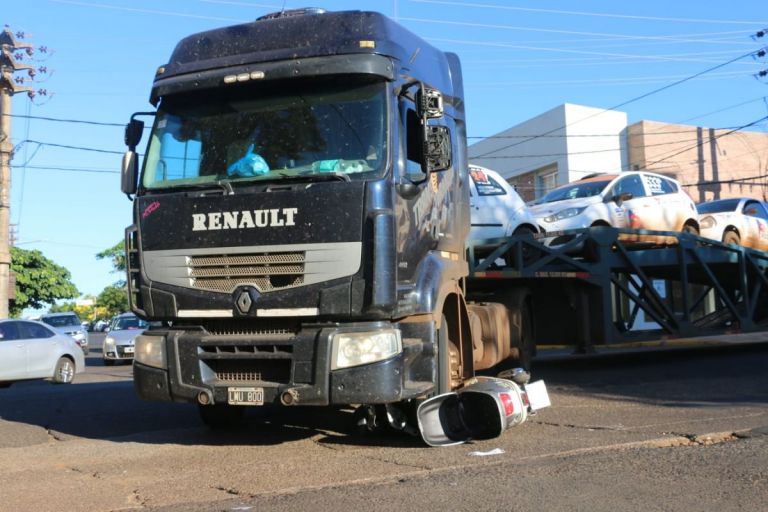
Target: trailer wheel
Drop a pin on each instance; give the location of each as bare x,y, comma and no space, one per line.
691,229
731,238
221,416
448,360
529,253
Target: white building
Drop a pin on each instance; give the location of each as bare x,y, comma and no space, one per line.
556,147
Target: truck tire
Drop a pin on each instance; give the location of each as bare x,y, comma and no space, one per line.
221,416
526,349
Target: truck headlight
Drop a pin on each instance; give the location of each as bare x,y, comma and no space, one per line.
707,222
565,214
356,348
150,351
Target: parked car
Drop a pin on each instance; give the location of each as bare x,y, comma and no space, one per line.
68,323
738,221
496,209
33,350
121,336
636,200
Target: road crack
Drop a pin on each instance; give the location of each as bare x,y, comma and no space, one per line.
615,428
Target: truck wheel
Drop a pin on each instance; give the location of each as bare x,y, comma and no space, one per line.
528,349
64,371
221,416
448,361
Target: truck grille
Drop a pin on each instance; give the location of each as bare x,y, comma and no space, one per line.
265,271
251,370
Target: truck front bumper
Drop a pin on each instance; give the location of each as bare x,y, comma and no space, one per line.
296,367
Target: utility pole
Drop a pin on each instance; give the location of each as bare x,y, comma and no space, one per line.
8,87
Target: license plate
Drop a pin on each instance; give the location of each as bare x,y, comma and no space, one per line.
129,350
538,398
245,396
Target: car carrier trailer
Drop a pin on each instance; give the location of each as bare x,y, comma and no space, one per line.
300,222
601,283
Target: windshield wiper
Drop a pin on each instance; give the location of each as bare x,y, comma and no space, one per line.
324,176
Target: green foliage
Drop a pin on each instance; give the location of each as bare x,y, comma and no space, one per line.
113,300
64,307
115,253
39,281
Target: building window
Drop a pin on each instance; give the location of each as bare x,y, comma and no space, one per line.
545,182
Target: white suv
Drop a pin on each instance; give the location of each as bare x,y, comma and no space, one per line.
635,200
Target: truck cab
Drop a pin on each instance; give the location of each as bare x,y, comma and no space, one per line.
300,216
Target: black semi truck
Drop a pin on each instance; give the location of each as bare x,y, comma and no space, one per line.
299,221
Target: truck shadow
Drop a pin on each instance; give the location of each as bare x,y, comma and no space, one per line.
680,377
700,377
111,411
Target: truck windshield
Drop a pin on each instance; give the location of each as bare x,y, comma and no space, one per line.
247,134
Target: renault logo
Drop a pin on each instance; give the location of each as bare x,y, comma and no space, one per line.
244,302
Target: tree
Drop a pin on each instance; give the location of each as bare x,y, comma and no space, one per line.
115,253
39,281
114,300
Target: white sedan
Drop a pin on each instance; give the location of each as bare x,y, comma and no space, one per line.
32,350
738,221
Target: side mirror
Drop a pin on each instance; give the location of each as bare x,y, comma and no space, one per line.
129,172
437,148
133,132
429,103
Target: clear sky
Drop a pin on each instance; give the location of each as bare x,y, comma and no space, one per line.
520,58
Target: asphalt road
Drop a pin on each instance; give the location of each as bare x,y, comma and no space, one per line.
677,430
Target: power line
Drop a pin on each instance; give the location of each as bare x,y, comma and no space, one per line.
68,169
554,31
627,102
147,11
725,182
65,146
708,140
723,109
600,60
61,120
587,135
597,14
640,80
